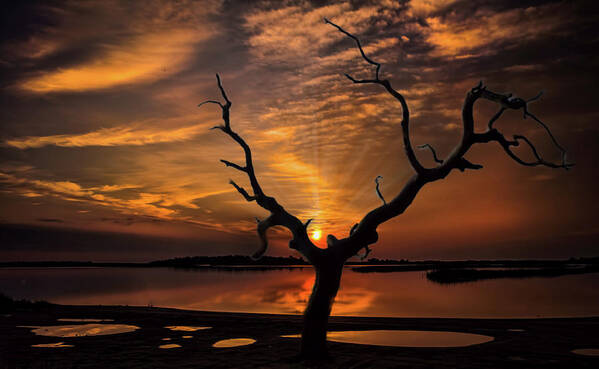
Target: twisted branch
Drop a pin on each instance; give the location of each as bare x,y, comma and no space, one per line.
437,160
278,215
405,123
364,233
378,191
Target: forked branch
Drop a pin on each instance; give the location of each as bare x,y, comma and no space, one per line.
278,215
363,233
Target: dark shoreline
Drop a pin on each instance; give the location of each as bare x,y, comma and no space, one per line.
544,343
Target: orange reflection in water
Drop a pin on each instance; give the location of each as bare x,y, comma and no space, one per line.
404,338
52,345
234,342
81,330
402,294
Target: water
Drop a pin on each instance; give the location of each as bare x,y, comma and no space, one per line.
81,330
403,294
234,342
403,338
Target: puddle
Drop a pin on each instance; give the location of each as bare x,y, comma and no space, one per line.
234,342
85,320
401,338
80,330
586,352
169,346
186,328
52,345
186,336
516,330
166,339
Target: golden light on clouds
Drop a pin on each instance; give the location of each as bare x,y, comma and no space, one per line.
116,136
103,117
146,58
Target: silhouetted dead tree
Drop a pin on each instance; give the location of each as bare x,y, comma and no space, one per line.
328,263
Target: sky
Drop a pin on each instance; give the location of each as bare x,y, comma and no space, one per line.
105,155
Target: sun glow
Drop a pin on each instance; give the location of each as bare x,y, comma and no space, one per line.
316,234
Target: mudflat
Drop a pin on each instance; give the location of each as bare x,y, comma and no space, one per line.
517,343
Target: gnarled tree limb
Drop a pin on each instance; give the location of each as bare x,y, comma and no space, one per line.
378,190
278,215
362,235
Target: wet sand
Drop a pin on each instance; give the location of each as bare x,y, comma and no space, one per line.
518,343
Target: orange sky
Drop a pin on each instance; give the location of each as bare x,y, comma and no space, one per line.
101,130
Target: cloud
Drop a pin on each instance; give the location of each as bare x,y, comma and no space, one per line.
482,33
117,43
143,59
294,34
116,136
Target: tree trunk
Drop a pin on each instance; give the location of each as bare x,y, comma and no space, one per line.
316,316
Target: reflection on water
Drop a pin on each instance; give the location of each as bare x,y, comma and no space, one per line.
80,330
401,338
234,342
166,339
186,328
402,294
587,352
52,345
169,346
84,320
186,336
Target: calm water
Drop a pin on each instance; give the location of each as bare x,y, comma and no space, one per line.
406,294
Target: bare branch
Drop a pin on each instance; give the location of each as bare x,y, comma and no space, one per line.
242,191
378,191
437,160
367,251
515,103
405,122
263,226
495,117
564,158
464,164
210,102
278,216
378,66
233,165
538,96
308,223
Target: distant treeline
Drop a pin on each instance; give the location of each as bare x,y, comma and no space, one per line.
228,260
453,276
405,266
196,262
373,265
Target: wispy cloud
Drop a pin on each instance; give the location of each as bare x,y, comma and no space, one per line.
126,43
116,136
143,59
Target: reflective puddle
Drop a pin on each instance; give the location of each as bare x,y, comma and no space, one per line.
234,342
587,352
85,320
166,339
52,345
401,338
185,328
169,346
80,330
186,336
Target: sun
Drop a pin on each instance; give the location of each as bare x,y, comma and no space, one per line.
316,234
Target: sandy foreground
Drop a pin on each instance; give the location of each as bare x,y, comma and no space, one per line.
544,343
